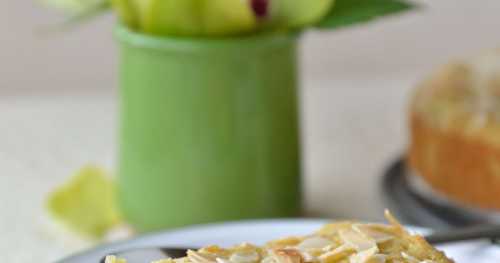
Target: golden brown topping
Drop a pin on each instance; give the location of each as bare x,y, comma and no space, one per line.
216,251
284,242
463,94
287,255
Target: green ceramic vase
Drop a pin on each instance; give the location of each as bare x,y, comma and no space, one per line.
208,129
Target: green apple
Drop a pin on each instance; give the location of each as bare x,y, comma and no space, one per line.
125,11
228,17
170,17
192,17
299,13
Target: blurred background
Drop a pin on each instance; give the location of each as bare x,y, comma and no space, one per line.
58,105
83,59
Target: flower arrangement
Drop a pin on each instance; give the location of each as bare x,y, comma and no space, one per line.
208,108
223,18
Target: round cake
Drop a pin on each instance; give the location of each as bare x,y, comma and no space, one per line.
455,131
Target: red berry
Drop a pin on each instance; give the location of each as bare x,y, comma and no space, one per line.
260,7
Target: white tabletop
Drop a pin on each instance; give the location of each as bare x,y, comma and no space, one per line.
350,135
58,112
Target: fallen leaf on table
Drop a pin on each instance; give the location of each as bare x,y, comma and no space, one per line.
86,204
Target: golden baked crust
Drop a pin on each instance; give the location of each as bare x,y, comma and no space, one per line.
455,131
460,167
341,242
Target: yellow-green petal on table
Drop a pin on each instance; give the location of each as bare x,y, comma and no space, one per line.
86,204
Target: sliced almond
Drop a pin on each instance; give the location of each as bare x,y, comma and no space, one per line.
182,260
372,232
337,254
392,220
377,258
314,242
409,258
357,241
331,229
365,256
222,260
308,257
268,259
245,257
288,255
284,242
196,257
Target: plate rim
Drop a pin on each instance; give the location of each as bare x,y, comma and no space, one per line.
196,227
78,256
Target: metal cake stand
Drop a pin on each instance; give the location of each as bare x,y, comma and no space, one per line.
411,199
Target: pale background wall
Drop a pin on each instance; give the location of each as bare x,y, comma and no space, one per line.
85,59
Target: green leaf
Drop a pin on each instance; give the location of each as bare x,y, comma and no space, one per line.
77,12
75,7
351,12
297,14
86,204
126,11
88,13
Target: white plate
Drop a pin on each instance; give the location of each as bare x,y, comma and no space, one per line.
260,231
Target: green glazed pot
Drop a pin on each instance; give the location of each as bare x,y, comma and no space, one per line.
209,129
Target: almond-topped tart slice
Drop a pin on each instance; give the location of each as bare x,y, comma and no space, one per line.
340,242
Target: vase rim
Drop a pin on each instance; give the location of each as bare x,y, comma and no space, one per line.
249,42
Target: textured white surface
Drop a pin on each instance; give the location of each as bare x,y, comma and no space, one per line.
46,138
43,140
57,109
